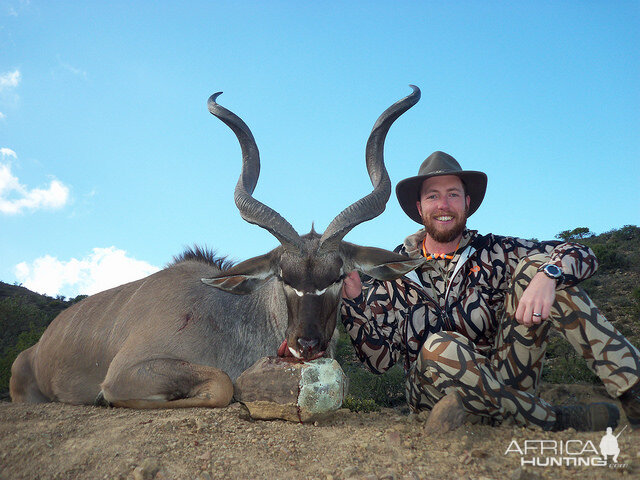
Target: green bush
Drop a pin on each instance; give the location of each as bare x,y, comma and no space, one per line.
386,390
23,319
25,340
571,369
564,365
360,404
16,317
575,234
627,233
609,256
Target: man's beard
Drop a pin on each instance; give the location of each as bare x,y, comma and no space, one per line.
445,236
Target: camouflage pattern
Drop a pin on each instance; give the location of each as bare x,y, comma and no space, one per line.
454,324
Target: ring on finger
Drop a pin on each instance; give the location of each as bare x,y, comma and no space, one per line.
537,314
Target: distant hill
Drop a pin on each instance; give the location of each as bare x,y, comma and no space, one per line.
24,315
20,308
615,288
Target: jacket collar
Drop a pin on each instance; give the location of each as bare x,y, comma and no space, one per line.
413,243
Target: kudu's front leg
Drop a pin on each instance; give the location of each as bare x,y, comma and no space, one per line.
166,383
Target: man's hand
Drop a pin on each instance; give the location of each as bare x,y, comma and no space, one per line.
538,298
352,286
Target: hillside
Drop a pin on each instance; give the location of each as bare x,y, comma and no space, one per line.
24,315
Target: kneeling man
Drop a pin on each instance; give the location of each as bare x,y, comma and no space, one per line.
475,318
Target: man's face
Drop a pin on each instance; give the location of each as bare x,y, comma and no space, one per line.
443,207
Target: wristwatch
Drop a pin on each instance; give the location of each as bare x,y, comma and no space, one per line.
552,271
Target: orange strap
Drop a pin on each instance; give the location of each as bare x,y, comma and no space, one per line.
436,256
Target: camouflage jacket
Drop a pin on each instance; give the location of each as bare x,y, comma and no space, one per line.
466,294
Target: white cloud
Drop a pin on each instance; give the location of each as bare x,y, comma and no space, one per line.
10,80
2,116
102,269
7,152
15,197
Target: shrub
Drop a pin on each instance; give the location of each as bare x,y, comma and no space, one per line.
360,404
25,340
564,365
575,234
386,390
609,257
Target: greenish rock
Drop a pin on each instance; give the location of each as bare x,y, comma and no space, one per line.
286,389
323,386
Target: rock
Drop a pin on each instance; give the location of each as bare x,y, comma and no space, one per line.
278,388
393,438
411,476
350,472
479,453
147,470
446,415
465,458
524,474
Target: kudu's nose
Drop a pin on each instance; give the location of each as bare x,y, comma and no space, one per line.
307,346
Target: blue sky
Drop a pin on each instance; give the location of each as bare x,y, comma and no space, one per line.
111,163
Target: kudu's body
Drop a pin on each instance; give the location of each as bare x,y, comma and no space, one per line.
171,340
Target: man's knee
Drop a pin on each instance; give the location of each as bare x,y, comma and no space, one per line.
441,345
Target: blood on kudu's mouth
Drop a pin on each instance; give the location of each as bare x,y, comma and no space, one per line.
285,351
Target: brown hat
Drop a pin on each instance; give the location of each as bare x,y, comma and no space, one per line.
438,164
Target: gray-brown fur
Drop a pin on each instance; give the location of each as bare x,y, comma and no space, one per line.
171,340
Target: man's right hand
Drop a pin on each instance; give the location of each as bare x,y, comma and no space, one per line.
351,286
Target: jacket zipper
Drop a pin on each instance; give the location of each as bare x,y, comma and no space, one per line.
464,257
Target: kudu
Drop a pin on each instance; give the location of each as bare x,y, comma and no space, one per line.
171,340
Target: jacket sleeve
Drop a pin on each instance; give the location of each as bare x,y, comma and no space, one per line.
577,261
375,321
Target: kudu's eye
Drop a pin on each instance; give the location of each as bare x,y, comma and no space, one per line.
316,292
332,284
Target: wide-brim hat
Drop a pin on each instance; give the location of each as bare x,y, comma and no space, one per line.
436,165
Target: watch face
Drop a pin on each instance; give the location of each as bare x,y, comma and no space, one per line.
553,271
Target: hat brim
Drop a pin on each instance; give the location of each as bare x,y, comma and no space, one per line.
408,191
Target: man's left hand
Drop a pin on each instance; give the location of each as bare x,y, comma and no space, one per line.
537,298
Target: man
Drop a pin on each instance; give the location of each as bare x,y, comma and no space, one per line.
474,319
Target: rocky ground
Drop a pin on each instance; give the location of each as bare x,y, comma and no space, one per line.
55,441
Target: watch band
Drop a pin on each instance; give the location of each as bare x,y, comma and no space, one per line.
552,271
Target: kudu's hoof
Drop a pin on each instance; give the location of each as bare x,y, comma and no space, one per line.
100,401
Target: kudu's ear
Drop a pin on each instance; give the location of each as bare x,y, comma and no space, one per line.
244,277
378,263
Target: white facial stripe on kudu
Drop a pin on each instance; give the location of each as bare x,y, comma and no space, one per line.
317,292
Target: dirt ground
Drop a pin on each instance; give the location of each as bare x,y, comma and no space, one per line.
55,441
